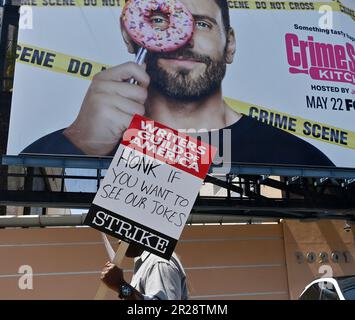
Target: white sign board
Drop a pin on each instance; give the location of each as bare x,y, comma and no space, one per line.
151,186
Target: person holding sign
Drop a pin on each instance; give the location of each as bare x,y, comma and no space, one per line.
154,278
181,89
143,201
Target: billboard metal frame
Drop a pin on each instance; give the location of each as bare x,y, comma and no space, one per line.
244,169
307,193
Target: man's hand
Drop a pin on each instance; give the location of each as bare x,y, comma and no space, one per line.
108,108
112,276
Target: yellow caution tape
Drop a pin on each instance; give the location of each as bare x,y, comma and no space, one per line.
296,125
233,4
73,3
58,62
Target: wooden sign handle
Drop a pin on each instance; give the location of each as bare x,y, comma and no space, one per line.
117,260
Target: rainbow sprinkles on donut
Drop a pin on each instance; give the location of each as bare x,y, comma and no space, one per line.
137,19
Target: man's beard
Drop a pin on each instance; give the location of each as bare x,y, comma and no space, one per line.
180,86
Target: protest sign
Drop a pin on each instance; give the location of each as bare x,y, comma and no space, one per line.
151,186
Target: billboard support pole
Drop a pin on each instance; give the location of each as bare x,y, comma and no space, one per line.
117,260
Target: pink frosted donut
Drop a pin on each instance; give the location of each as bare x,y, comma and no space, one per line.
136,17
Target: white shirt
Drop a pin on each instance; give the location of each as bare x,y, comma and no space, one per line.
158,278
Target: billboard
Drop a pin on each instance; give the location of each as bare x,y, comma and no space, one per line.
276,88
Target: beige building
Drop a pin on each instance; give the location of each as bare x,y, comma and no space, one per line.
235,261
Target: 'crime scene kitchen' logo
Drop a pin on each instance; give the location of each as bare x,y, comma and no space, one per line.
322,61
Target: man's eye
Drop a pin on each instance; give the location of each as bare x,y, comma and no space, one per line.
159,22
202,25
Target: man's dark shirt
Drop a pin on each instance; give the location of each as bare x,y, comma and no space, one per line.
253,142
